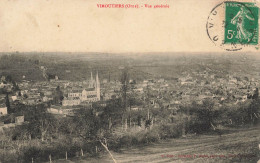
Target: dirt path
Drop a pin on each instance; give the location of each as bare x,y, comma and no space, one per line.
203,148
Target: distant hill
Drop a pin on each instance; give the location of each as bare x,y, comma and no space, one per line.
77,67
66,67
18,66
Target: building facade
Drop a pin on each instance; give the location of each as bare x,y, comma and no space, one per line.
86,95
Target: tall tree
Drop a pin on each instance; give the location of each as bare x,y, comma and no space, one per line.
7,103
125,86
58,95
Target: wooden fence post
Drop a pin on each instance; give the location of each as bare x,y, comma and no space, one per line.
82,154
50,158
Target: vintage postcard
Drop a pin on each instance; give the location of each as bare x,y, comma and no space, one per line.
125,81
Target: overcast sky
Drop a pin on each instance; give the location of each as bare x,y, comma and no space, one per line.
80,26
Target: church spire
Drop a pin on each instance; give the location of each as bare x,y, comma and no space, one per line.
91,77
97,87
91,82
97,80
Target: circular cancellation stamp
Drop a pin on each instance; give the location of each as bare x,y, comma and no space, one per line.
233,25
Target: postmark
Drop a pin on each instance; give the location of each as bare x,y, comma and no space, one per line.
233,25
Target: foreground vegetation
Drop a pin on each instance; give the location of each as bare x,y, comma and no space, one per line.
91,130
239,144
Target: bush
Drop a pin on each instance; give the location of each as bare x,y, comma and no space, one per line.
171,130
148,136
6,157
152,135
31,152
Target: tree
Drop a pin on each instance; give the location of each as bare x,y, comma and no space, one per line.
87,124
92,129
25,95
124,90
205,116
58,96
255,94
9,78
112,113
125,86
7,104
253,111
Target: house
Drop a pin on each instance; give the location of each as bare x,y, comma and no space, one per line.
3,110
161,80
136,108
48,93
174,106
14,98
19,119
31,101
140,90
204,96
105,81
47,98
108,95
2,85
62,110
70,101
233,80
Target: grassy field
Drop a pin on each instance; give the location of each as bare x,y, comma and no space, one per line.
237,145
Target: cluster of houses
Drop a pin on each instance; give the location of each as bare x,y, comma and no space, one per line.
188,89
169,94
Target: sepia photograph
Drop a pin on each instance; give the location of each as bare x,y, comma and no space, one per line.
129,81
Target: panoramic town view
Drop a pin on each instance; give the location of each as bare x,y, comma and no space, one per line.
98,107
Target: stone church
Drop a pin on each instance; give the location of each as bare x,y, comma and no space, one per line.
85,95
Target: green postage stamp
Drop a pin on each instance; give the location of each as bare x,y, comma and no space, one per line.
234,25
241,23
